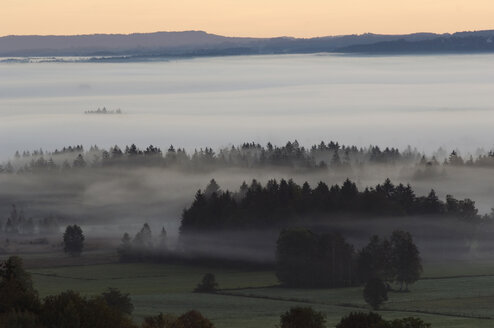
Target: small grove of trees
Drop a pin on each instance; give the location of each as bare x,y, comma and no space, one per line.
208,284
307,259
307,317
394,260
18,224
73,240
143,246
20,306
374,320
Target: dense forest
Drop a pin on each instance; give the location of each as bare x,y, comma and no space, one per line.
292,155
280,203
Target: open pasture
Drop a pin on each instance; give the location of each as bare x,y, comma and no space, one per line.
458,296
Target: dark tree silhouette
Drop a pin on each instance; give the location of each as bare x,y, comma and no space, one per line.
278,204
305,259
208,284
405,258
16,287
159,321
144,238
302,317
362,320
375,260
73,240
375,293
193,319
118,301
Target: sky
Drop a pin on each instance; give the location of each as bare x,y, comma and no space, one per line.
257,18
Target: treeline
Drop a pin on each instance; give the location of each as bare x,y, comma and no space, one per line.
285,202
18,224
292,155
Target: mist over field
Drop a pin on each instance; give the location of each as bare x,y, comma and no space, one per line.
423,101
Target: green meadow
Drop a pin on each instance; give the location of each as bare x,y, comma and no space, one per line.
452,294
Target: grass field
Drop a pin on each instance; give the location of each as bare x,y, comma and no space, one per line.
453,294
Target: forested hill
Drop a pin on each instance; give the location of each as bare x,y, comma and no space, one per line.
482,42
138,46
190,43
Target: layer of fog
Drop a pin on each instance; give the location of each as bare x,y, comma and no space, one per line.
120,197
423,101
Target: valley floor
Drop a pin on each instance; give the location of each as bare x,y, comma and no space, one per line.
451,294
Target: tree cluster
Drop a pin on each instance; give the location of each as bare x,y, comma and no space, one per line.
374,320
393,260
248,155
143,246
190,319
307,317
285,202
18,224
292,155
307,259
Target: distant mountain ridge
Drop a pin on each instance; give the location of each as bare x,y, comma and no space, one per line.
464,42
199,43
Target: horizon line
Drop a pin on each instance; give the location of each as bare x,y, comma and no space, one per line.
244,37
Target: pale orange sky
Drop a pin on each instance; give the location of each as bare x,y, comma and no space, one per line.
260,18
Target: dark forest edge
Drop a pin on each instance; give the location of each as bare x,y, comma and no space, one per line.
286,203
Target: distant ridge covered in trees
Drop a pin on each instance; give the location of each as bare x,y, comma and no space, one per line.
285,202
292,155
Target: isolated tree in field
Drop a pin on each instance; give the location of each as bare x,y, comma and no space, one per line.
375,293
208,284
362,320
16,287
406,260
302,317
73,240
